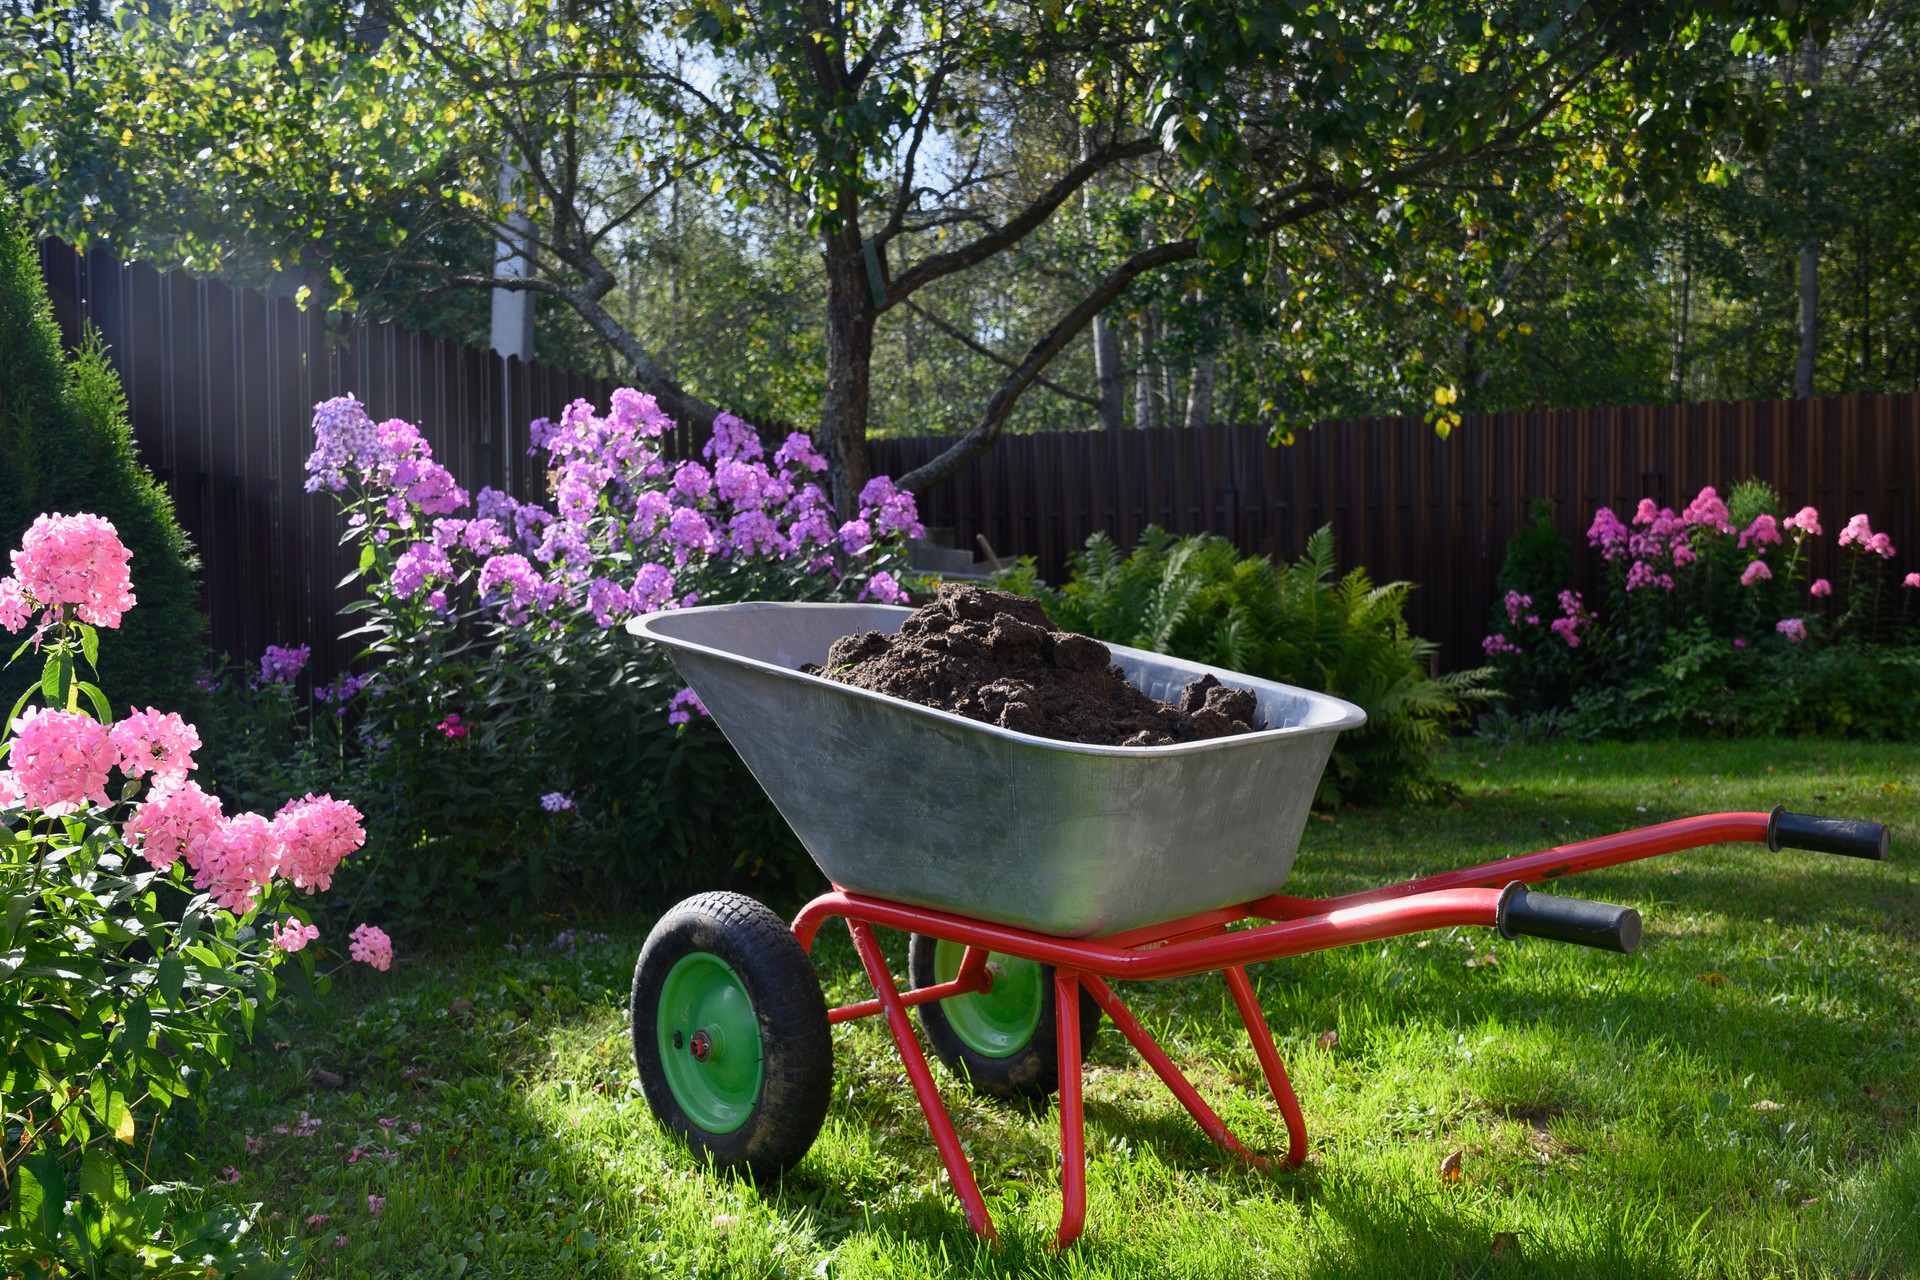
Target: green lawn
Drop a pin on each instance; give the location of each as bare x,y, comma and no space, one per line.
1737,1099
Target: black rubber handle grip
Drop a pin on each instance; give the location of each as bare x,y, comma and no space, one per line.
1848,837
1576,920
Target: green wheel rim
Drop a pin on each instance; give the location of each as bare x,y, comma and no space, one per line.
709,1039
997,1023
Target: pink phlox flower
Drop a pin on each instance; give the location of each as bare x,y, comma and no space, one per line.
315,834
1806,520
1607,533
1683,555
652,589
343,440
77,560
608,600
1568,629
16,611
156,742
452,727
319,1219
691,481
256,1145
1821,587
1793,629
732,438
434,491
1497,643
375,1204
238,861
684,703
10,792
511,584
290,936
689,532
229,1175
417,565
1762,532
400,451
1756,572
386,1122
369,944
1911,580
60,760
1881,545
353,1157
1708,511
482,536
1646,512
1739,642
882,587
280,665
1516,603
176,820
798,451
1858,530
1642,575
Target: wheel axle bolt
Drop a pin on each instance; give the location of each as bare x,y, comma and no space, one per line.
702,1047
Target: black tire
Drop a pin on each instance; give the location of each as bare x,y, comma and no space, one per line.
787,1009
1032,1070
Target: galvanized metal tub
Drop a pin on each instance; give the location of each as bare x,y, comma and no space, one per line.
925,807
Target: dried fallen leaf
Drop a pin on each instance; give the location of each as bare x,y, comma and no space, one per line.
331,1079
460,1005
1487,961
1767,1106
1450,1167
1713,979
1506,1244
1327,1039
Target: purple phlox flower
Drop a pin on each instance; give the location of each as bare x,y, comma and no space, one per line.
1646,512
283,666
684,702
855,537
1568,629
514,586
891,509
433,490
1708,511
1756,572
343,439
883,588
557,801
608,600
1607,533
344,690
638,412
798,451
447,533
744,484
483,537
809,529
1762,532
649,509
495,505
732,438
1641,575
1516,603
577,493
691,481
564,543
652,589
437,601
689,532
1497,644
751,533
1794,629
1739,642
417,564
399,452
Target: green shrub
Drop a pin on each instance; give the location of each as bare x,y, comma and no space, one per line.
1198,598
65,446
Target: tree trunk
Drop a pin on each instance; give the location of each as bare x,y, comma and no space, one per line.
844,406
1200,395
1106,368
1146,398
1809,321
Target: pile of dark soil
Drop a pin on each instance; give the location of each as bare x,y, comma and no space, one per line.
997,658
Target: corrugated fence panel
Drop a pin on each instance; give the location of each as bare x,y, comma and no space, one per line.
221,385
1438,513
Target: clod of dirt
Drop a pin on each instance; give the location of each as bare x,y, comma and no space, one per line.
997,658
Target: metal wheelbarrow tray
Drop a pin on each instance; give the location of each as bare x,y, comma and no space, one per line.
1030,873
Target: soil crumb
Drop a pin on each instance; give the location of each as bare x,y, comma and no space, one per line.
997,658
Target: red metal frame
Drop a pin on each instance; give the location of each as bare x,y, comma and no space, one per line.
1193,945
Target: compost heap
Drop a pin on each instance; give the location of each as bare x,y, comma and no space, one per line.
997,658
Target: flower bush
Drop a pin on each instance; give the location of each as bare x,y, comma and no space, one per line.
1711,618
506,737
144,931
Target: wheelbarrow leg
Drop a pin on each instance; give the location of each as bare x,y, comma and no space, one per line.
1149,1050
915,1061
1242,988
1073,1129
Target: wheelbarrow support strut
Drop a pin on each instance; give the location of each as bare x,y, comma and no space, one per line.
1491,894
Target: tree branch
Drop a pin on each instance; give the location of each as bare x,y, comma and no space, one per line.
967,340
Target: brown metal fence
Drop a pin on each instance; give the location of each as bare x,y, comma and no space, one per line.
1408,505
221,385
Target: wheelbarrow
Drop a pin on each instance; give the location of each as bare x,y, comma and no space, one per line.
1031,874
